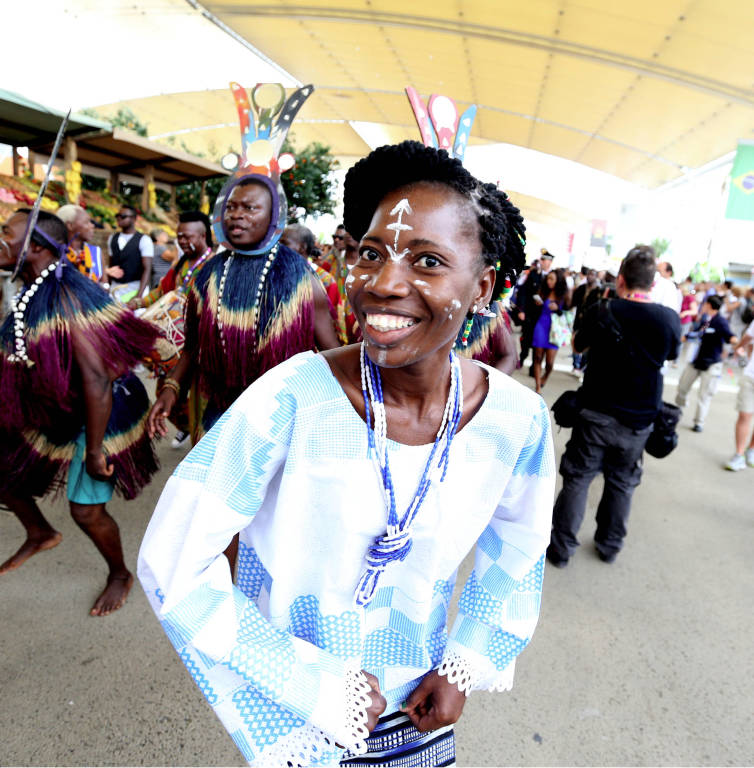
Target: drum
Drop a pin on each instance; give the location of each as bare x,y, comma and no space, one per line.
167,314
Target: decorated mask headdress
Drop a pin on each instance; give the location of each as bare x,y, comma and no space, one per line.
441,128
260,158
439,124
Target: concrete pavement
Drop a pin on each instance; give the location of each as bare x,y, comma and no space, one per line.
644,662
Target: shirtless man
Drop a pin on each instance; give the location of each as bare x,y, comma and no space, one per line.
69,403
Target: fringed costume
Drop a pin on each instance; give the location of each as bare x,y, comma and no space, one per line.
43,410
245,340
486,339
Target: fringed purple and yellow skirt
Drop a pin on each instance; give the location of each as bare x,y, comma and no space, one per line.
36,462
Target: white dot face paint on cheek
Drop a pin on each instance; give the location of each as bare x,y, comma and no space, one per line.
350,279
421,282
455,304
381,357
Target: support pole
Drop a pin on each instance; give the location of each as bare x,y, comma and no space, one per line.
148,180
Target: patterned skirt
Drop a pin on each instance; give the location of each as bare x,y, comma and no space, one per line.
396,742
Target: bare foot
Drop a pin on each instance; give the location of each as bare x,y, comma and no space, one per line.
29,548
114,594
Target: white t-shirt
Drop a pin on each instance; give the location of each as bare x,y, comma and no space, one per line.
146,246
749,370
664,292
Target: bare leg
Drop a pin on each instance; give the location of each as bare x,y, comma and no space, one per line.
536,368
97,524
743,431
549,364
40,535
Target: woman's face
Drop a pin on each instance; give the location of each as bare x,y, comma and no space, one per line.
552,278
418,274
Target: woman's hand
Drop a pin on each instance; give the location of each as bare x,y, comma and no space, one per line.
553,305
156,421
115,271
434,703
134,304
377,707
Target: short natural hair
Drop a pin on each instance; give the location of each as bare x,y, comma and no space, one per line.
51,225
188,216
715,301
68,213
639,267
501,226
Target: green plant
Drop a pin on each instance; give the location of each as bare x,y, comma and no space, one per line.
310,184
94,183
101,214
123,118
188,196
660,245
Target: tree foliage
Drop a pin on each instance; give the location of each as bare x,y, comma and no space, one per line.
310,184
123,118
660,245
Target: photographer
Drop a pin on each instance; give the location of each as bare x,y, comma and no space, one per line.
629,338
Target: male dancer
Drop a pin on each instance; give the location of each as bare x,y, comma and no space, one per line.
69,404
255,304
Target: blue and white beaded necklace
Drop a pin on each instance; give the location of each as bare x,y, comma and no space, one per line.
395,543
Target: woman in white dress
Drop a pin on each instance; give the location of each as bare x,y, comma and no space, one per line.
358,480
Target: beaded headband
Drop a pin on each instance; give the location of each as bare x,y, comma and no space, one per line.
259,159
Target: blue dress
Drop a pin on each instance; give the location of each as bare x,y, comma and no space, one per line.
541,336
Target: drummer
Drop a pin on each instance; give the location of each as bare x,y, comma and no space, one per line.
194,236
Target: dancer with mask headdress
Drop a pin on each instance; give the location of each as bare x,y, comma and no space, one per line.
359,479
257,302
71,408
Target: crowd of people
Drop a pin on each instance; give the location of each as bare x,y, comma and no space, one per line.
344,404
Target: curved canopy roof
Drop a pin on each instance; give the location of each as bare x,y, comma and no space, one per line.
643,90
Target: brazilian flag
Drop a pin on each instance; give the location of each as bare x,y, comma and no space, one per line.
741,194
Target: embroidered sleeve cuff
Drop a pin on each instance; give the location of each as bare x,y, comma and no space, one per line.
357,700
469,676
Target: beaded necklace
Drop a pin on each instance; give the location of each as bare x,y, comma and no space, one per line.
18,306
639,296
197,264
396,542
255,307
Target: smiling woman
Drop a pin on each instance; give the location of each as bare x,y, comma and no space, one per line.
351,534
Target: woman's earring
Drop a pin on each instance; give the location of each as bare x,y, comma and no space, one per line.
467,328
485,312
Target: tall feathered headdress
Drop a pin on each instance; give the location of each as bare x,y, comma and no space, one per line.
260,158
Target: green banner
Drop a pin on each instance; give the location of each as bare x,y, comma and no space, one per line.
741,194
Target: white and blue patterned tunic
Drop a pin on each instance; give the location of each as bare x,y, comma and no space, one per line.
287,466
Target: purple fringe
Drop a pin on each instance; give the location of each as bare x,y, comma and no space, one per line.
231,369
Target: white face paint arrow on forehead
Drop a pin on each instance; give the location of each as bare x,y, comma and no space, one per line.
403,207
